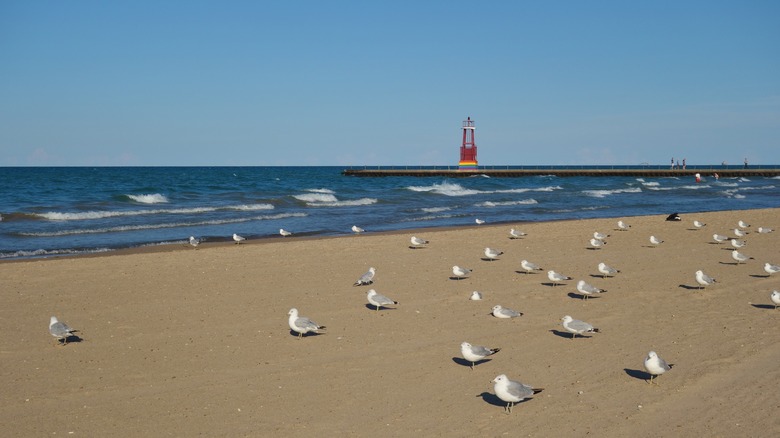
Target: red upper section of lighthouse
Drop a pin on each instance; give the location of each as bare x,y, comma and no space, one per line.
468,149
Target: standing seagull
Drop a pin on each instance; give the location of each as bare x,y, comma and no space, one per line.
600,236
194,242
622,226
479,221
492,254
698,224
771,269
302,325
516,234
764,230
366,278
719,238
417,242
379,300
703,279
512,392
607,271
775,297
505,313
655,365
475,296
740,233
357,230
556,277
60,330
587,290
597,243
529,267
739,257
238,239
459,272
737,244
577,327
655,241
284,232
742,224
475,353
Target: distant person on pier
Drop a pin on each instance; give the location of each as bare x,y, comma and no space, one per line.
746,166
672,163
683,163
678,165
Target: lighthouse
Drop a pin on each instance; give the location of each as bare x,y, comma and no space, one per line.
468,149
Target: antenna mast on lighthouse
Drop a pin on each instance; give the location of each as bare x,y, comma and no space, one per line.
468,149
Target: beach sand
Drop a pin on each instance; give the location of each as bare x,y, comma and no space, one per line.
195,342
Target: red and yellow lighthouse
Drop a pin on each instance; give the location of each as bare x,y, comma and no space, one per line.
468,149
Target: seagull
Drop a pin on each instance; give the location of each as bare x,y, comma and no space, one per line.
357,230
742,224
703,279
492,254
505,313
674,217
302,325
529,267
238,238
516,234
475,296
698,224
366,278
775,297
459,272
60,330
284,232
479,221
607,271
622,226
655,365
512,392
587,290
556,277
765,230
577,327
655,241
740,233
719,238
597,243
475,353
600,236
379,300
736,243
194,242
771,269
739,257
417,242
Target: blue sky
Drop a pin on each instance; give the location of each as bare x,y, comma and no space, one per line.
388,83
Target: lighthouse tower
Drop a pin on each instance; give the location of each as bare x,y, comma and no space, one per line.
468,149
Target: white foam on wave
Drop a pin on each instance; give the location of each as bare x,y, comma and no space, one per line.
605,193
141,227
316,197
688,187
320,191
528,201
53,252
92,215
330,200
447,189
154,198
651,184
435,209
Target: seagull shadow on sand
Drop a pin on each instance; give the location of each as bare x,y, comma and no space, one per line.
493,399
458,278
71,339
637,374
567,335
729,263
465,363
306,335
685,286
764,306
370,306
552,284
582,296
417,247
760,276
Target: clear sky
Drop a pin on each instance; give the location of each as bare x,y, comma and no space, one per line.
388,83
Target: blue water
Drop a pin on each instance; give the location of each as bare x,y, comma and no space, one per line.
59,211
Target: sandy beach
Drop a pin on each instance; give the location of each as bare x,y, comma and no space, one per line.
187,342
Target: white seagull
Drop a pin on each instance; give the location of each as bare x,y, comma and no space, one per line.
60,330
459,272
587,290
492,254
238,239
737,244
764,230
698,224
600,236
771,269
302,325
719,238
622,226
740,233
417,242
556,277
655,241
607,271
739,257
704,280
475,296
742,224
512,392
479,221
529,267
357,230
516,234
284,232
577,327
655,366
194,242
597,243
475,353
379,300
775,297
366,278
505,313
